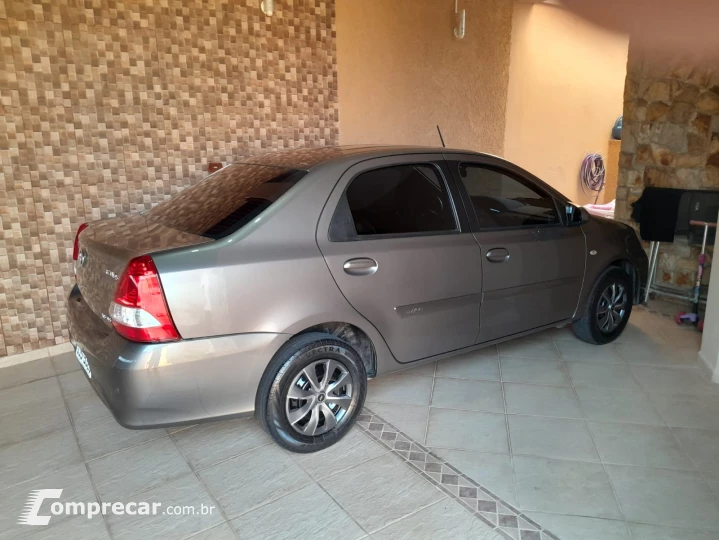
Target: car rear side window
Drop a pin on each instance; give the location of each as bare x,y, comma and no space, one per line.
225,201
403,199
503,201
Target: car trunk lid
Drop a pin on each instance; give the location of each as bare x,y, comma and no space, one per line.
105,248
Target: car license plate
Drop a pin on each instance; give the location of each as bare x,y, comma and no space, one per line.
83,361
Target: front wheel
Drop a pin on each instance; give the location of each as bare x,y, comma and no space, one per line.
312,392
608,309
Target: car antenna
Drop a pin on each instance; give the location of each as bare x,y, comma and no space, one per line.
440,136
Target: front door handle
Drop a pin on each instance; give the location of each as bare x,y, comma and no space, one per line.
364,266
498,255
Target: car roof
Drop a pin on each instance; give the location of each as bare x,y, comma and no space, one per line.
308,158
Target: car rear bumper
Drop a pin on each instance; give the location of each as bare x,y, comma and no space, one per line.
164,384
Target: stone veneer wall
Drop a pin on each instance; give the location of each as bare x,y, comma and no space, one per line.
670,139
112,106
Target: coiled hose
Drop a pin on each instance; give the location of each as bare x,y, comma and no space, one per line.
592,174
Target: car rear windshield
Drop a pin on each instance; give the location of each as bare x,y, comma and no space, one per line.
225,201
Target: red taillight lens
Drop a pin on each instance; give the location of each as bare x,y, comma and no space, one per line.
76,245
139,311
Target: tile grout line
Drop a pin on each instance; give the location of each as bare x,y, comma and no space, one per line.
269,443
696,470
483,411
125,448
61,469
339,505
369,534
572,460
429,406
714,395
220,461
317,482
594,442
618,520
506,425
430,505
671,429
198,533
82,456
202,483
646,394
147,489
460,487
437,485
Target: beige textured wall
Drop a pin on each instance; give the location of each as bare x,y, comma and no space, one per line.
401,72
111,107
566,82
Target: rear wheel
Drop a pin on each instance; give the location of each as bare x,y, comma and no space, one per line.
608,309
312,392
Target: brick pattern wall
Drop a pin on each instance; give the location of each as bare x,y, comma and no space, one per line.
670,139
111,106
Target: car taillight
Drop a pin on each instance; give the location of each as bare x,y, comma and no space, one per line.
76,247
139,311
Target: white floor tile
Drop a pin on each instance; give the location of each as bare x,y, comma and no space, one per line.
556,438
633,444
534,371
582,528
564,487
541,400
467,430
618,406
665,497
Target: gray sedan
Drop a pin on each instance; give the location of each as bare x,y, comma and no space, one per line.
278,285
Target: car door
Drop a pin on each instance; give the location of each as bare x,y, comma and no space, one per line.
403,255
532,261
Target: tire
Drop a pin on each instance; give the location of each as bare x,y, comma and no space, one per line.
300,424
593,327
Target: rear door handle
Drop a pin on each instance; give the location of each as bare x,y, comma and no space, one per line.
364,266
498,255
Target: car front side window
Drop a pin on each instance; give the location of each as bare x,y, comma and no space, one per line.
502,201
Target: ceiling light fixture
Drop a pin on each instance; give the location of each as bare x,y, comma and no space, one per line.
460,17
267,7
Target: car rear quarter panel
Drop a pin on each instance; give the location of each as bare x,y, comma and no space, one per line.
268,277
150,384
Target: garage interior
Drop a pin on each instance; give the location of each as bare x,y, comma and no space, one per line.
111,107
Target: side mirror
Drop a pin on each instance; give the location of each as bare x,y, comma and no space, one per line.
585,215
576,215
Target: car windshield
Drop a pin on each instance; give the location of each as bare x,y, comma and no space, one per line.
225,201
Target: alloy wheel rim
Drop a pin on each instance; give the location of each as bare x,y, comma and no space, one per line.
319,397
612,307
